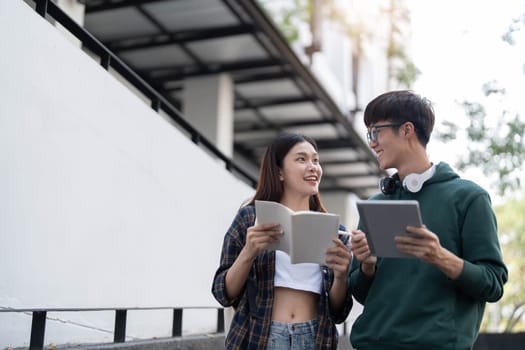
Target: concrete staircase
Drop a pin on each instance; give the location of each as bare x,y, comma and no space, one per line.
198,342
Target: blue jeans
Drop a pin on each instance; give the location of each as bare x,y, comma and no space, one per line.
292,336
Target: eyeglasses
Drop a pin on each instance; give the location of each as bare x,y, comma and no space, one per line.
373,132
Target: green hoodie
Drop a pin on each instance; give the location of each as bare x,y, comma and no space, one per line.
410,304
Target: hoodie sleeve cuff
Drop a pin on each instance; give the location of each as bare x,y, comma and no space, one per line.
469,278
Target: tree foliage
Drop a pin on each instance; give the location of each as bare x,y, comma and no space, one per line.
289,18
401,69
507,315
498,149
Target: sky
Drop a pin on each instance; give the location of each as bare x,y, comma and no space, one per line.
458,46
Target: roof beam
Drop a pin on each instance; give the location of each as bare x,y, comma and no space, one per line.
286,125
177,38
104,5
167,74
258,77
265,102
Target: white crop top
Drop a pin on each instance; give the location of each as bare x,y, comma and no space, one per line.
304,276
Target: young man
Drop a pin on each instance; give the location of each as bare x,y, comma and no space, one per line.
436,300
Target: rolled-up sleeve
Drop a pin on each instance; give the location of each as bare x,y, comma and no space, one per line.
232,245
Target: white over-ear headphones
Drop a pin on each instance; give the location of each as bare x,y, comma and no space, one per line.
414,182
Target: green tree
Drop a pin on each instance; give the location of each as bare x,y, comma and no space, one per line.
401,69
497,150
507,315
290,15
497,147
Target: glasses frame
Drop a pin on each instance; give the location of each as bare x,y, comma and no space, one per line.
373,132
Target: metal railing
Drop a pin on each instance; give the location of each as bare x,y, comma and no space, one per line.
157,102
39,318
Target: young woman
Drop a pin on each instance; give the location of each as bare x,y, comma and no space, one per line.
279,305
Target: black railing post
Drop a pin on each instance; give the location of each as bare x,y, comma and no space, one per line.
120,326
220,320
105,60
155,103
38,329
176,331
195,137
41,7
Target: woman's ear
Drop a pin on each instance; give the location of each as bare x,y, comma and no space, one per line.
281,177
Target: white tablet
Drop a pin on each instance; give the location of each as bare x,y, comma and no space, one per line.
382,220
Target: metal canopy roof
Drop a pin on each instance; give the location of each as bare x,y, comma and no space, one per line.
167,41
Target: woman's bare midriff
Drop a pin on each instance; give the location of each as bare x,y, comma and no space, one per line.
292,305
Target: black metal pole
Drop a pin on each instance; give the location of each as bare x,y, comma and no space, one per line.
155,103
220,320
105,60
41,7
38,329
120,326
177,323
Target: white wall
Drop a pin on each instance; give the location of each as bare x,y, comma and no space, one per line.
103,202
343,204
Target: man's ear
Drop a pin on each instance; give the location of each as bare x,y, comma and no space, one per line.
408,127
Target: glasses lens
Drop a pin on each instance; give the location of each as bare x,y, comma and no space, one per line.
371,134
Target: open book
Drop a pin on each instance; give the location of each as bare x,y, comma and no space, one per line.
306,234
382,220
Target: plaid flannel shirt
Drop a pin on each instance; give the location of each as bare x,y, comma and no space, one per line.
250,326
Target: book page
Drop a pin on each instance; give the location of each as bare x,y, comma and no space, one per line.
312,236
306,234
272,212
